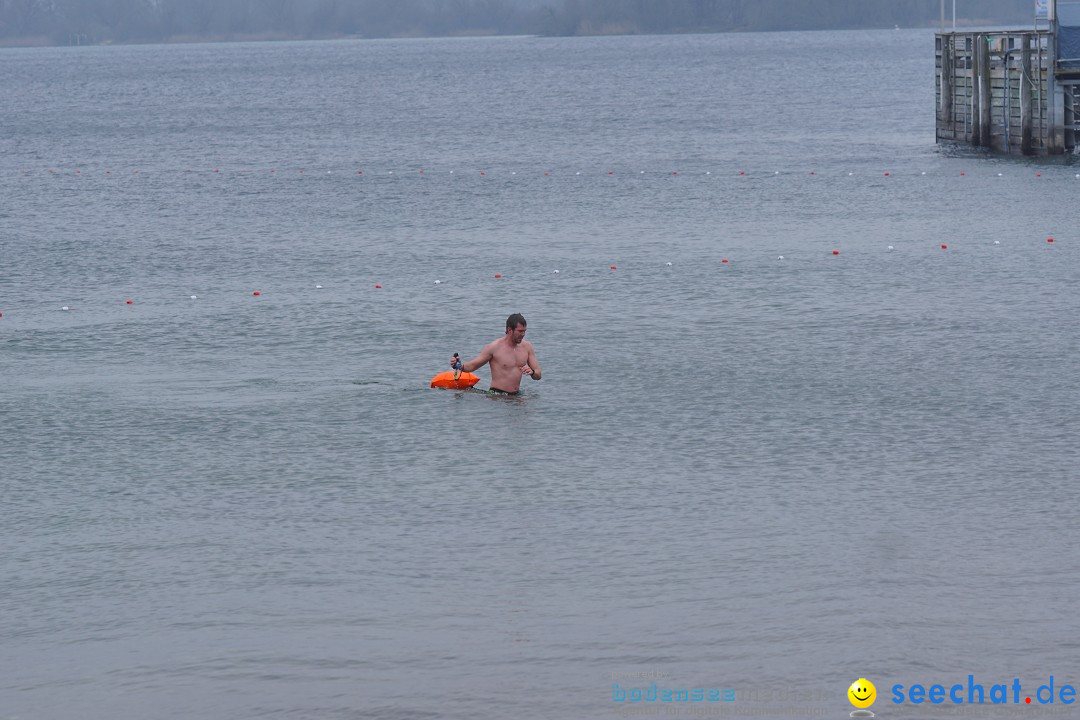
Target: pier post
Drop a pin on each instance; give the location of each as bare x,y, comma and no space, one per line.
982,49
1025,94
1055,99
945,109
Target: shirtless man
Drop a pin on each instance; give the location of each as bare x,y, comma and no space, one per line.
511,356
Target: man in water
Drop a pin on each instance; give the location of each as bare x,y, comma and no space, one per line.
510,357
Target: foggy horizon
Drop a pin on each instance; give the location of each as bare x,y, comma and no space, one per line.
82,22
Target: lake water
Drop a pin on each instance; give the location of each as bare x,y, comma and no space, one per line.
770,475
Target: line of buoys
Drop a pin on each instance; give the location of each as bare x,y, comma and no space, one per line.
725,261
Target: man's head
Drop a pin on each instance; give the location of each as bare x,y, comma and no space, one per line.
515,327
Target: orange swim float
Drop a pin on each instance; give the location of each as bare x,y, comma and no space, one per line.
446,379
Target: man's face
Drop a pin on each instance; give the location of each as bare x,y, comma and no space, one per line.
517,333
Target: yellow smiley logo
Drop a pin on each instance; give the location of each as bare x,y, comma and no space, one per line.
862,693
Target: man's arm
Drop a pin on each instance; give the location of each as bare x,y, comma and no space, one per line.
477,362
533,363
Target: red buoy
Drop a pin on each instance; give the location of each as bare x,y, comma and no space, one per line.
256,293
612,267
724,260
378,287
498,275
130,302
835,252
944,246
1049,239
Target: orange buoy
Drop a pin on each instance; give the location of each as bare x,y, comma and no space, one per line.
447,380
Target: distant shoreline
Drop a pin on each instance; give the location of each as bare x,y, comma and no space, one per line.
45,41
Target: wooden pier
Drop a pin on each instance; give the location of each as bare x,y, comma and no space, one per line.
1007,90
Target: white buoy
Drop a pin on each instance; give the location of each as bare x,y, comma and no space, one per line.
997,242
850,174
318,287
890,247
438,282
194,297
999,174
643,172
554,272
924,172
708,173
669,264
781,257
776,172
65,308
513,173
577,173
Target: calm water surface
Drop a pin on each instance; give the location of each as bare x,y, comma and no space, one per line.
760,474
